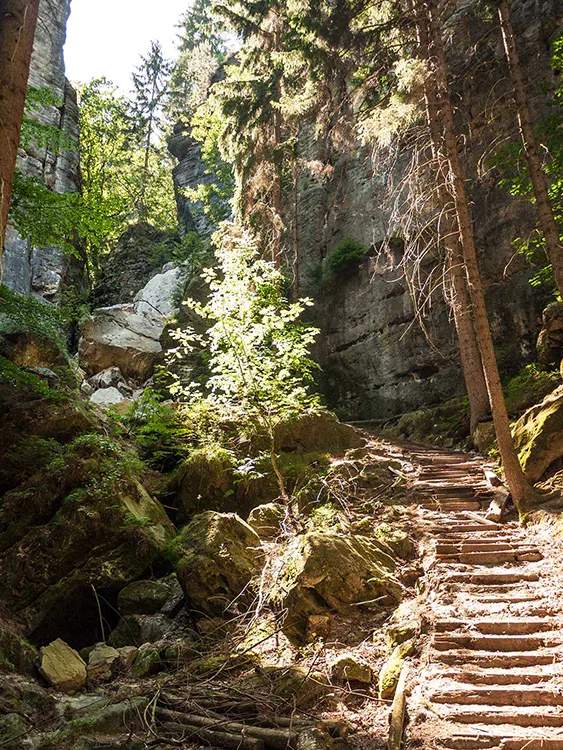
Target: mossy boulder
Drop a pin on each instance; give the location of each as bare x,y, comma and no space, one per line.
220,556
396,539
134,630
147,661
391,670
84,521
13,729
321,432
327,571
204,481
16,654
538,435
142,598
349,667
266,520
290,686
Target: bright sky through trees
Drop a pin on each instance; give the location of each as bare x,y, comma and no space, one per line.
107,37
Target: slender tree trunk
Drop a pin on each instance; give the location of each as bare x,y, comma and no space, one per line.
18,19
544,207
522,492
276,186
460,303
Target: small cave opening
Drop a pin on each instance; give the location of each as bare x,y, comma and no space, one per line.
85,618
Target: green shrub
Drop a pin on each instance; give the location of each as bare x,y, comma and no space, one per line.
20,314
345,255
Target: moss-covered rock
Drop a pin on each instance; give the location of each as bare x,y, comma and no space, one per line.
321,432
266,519
134,630
292,686
13,729
328,571
147,661
538,435
204,481
398,541
220,556
391,670
83,521
349,667
16,654
142,598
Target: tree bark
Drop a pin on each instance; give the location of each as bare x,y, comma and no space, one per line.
460,303
18,20
546,218
522,492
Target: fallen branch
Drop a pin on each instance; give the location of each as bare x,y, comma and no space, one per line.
216,738
398,712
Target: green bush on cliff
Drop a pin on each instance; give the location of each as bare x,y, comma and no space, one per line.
20,314
346,255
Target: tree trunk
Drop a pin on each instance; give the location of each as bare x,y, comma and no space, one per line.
18,19
461,302
521,491
546,218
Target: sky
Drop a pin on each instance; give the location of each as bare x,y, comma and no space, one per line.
107,37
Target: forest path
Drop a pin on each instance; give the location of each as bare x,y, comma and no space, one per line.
490,671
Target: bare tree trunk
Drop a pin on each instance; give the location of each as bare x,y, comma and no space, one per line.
522,492
460,299
544,207
18,19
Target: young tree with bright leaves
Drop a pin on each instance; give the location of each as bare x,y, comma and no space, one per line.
18,20
150,87
544,207
258,349
522,493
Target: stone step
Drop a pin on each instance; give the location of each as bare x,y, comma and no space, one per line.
515,626
542,716
495,676
492,558
495,741
498,659
450,641
498,695
493,578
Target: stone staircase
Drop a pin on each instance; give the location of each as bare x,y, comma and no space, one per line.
490,675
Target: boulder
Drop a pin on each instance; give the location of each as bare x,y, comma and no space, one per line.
157,298
29,349
127,655
103,662
484,436
391,670
220,557
16,654
293,686
550,340
13,729
266,520
538,435
108,397
142,598
134,630
147,661
398,541
62,666
122,337
204,481
111,377
87,522
327,571
321,432
349,667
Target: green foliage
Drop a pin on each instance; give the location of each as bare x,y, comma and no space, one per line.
20,314
259,362
529,387
22,380
346,255
511,162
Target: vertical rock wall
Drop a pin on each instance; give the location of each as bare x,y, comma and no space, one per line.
45,271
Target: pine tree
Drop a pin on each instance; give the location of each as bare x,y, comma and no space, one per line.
18,19
150,81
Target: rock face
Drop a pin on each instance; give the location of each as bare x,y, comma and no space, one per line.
46,271
127,336
538,435
62,667
325,571
220,557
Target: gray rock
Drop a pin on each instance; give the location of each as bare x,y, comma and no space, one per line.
266,520
102,662
106,397
106,378
134,630
156,299
142,598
